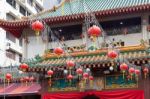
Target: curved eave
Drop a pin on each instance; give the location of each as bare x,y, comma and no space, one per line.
21,24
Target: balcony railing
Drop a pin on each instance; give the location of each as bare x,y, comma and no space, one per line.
124,30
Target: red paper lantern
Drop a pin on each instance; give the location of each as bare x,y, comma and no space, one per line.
8,76
123,67
50,73
131,70
112,54
58,51
146,71
79,71
21,79
31,79
70,64
85,75
94,31
37,26
26,78
137,71
70,77
24,66
91,77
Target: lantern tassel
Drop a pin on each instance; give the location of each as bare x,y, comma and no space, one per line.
8,82
131,77
91,83
145,75
123,74
37,33
26,83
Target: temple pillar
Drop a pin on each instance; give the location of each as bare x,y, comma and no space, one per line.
144,23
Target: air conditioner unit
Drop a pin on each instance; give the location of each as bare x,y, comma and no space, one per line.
8,45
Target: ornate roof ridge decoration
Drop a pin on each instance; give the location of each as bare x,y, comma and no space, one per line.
99,51
135,54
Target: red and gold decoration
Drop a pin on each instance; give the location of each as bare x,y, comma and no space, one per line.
37,26
131,72
123,68
146,71
70,64
50,73
24,67
8,77
91,78
137,72
94,32
112,54
79,71
58,51
31,79
26,80
69,77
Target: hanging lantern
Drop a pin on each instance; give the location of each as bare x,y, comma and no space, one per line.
128,77
79,71
58,51
88,70
31,79
146,71
50,73
70,77
131,71
70,64
26,79
37,26
94,32
112,54
137,72
24,67
91,78
91,81
65,72
123,68
85,75
21,80
8,77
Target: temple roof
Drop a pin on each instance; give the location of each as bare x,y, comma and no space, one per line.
82,6
133,54
74,11
18,88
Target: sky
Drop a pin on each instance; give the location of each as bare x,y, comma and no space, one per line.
50,3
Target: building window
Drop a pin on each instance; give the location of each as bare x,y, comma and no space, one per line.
71,32
11,54
20,58
38,9
12,3
10,37
28,13
123,26
22,10
30,2
20,42
10,17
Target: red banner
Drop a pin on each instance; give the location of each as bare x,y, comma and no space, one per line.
119,94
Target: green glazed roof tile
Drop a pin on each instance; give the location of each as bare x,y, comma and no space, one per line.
82,6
